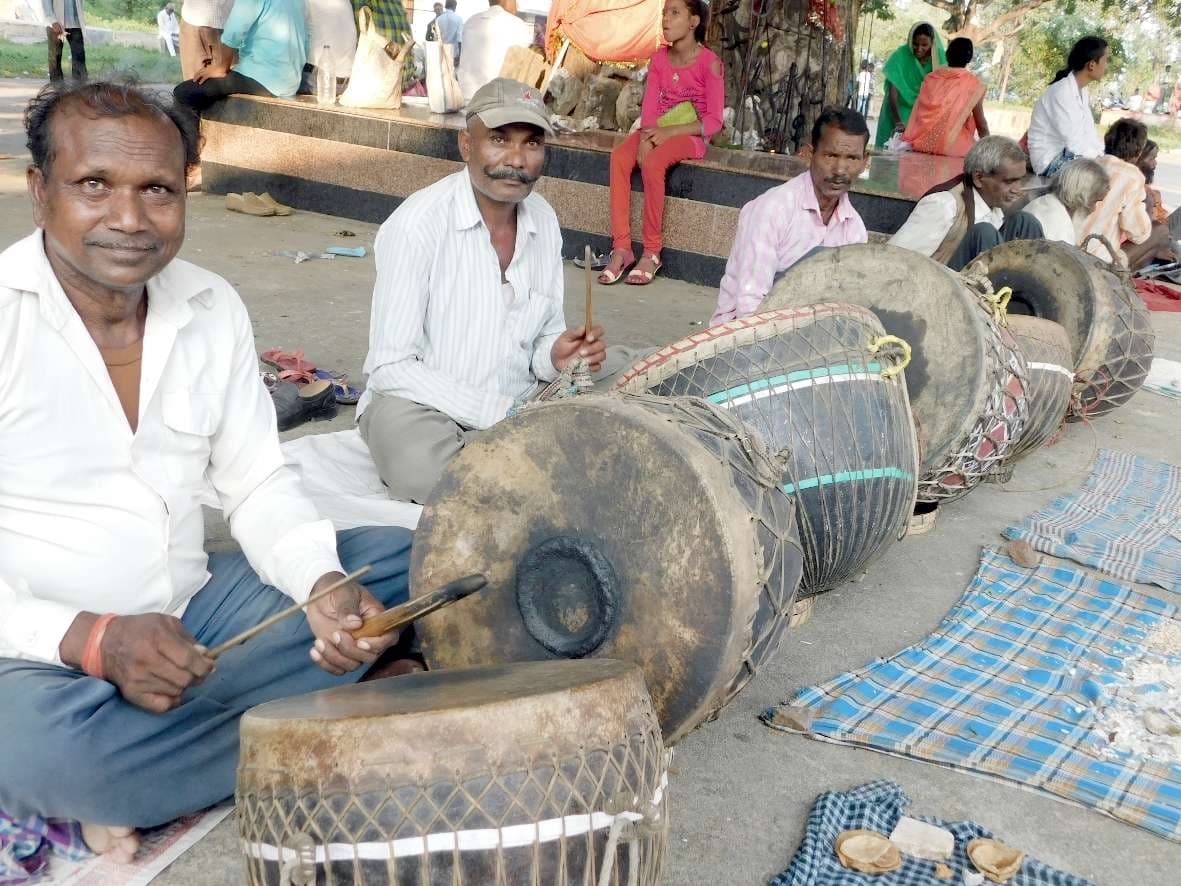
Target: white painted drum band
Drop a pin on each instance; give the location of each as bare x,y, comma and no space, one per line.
804,383
1053,367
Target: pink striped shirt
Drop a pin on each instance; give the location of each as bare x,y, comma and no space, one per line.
700,82
775,230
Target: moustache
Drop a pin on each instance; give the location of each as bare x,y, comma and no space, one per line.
507,173
141,245
842,180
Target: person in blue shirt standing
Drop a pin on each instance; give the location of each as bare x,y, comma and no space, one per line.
264,48
450,28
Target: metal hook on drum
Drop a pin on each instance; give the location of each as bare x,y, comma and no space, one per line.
882,341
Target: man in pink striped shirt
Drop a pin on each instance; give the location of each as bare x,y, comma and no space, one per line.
811,211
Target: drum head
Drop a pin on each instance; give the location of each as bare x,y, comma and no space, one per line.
923,303
605,529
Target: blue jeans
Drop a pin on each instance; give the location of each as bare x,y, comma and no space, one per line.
71,747
1058,162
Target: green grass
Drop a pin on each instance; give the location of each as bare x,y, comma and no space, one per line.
29,60
1168,137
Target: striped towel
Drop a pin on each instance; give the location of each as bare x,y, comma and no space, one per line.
1008,686
1125,521
877,806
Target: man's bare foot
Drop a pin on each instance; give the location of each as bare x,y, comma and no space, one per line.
392,668
120,844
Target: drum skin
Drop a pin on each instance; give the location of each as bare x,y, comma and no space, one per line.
646,529
513,774
1047,353
965,377
1110,330
806,381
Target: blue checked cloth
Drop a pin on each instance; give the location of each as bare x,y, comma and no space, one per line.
1125,521
877,806
1008,686
25,846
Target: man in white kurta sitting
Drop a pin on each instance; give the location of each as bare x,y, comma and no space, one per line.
1075,190
953,225
129,382
467,308
486,39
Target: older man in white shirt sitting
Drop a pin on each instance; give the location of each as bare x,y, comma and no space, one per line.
129,380
467,308
1075,190
955,224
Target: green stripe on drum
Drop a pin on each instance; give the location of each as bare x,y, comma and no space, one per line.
849,476
801,378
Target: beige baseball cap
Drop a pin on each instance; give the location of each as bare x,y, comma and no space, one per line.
503,101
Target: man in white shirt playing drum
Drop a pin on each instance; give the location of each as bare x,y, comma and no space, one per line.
129,380
955,224
467,307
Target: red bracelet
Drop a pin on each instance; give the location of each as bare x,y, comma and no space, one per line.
92,654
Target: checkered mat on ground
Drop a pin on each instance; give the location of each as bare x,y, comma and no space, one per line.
1125,521
877,806
1008,686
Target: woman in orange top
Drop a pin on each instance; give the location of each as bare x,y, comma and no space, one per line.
948,115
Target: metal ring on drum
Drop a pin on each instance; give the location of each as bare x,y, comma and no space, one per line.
647,529
820,384
539,772
1109,328
966,378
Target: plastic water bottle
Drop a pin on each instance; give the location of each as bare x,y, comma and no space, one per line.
325,77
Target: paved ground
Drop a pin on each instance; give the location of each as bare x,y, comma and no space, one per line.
740,792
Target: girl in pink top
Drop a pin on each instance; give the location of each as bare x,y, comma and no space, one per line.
683,71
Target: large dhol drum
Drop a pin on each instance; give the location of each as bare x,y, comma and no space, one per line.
1110,330
1047,354
823,386
544,773
640,528
966,378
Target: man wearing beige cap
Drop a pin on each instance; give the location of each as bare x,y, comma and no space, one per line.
467,308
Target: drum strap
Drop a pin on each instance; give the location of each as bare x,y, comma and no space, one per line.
965,199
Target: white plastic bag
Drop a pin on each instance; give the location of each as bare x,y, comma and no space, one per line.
376,80
898,144
443,94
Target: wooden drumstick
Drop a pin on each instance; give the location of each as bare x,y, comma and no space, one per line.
589,257
279,616
399,616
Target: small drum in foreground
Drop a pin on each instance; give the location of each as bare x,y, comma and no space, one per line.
1110,330
641,528
966,378
823,386
547,773
1047,354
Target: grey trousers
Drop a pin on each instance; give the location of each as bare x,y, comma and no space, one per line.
1175,224
412,444
982,237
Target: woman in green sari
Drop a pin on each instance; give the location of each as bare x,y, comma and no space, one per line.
904,71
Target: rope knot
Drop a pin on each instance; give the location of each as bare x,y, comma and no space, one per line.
901,356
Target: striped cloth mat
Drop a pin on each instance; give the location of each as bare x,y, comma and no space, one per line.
1125,521
1008,686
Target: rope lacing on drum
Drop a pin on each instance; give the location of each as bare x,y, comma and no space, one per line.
900,362
574,379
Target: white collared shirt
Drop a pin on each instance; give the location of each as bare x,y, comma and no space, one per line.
932,217
441,332
1055,219
96,518
1062,120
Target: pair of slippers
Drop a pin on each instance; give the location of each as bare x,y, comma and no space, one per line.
261,205
635,277
294,368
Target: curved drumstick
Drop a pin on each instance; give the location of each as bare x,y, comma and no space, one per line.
399,616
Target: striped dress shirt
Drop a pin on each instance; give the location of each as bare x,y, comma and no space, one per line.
1121,215
441,332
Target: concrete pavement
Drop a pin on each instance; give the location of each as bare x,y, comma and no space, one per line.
740,792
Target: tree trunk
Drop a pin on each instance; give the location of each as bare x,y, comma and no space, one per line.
1009,50
785,60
